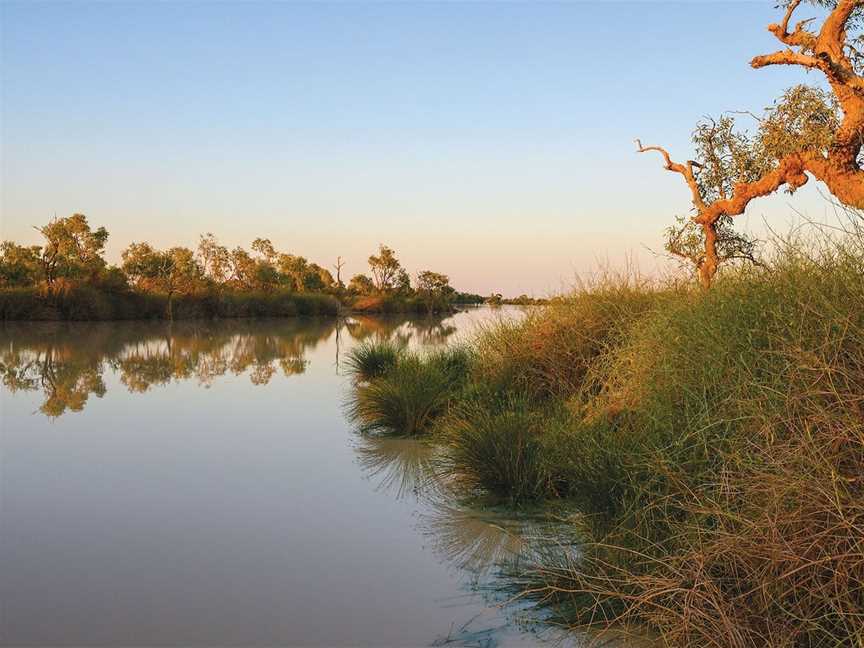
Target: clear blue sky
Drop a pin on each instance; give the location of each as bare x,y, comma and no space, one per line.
493,141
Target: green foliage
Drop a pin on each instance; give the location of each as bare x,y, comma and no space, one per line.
72,249
373,359
360,284
407,399
725,156
19,265
804,119
685,240
497,448
387,273
86,302
435,290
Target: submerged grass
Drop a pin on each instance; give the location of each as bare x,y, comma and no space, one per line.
713,442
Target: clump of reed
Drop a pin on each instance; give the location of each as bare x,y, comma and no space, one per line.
406,396
372,359
499,449
550,352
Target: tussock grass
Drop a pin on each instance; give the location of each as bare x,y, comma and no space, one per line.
373,359
408,398
499,449
713,443
734,426
550,353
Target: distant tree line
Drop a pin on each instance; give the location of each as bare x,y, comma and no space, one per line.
72,256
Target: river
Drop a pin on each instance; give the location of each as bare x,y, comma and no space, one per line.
197,483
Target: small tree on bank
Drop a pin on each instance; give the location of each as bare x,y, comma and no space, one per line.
170,271
72,249
435,290
807,131
387,273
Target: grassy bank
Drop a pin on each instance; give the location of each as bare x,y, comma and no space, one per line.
386,304
89,303
713,443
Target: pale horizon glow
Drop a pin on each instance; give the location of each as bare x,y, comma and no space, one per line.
489,141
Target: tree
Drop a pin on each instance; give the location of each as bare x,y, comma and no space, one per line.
294,270
320,277
265,248
434,288
19,265
385,269
402,283
338,267
214,258
806,131
242,273
71,249
170,271
360,284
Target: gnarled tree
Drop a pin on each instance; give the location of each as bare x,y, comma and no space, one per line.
807,131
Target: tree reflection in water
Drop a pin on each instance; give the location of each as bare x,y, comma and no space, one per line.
67,361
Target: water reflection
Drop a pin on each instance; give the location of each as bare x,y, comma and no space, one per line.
476,539
481,544
67,362
401,466
423,331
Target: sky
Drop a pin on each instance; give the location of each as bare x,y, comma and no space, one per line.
491,141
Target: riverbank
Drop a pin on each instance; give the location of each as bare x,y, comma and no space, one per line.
92,304
712,442
87,303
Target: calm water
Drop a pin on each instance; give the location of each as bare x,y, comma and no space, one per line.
198,484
